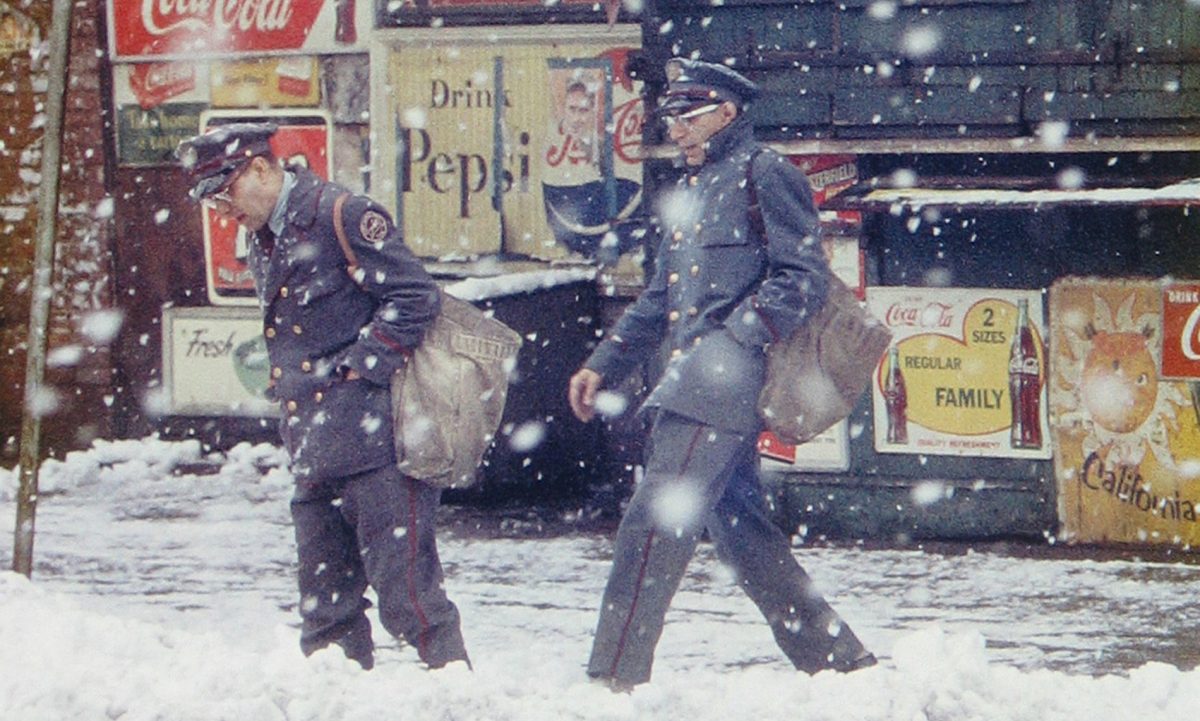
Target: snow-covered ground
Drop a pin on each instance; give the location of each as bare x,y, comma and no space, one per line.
159,594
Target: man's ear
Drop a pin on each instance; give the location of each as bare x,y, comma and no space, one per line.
261,164
729,110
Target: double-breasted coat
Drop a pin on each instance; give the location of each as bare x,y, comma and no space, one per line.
721,292
357,519
319,322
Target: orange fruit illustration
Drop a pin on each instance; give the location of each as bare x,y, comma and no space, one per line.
1120,381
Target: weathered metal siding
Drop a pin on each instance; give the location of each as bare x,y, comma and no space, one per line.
949,68
993,70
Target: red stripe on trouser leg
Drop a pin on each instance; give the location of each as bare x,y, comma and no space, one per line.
410,572
637,592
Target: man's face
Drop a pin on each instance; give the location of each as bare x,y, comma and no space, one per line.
250,198
691,134
578,116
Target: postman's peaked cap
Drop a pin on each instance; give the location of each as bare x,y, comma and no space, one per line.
211,157
692,84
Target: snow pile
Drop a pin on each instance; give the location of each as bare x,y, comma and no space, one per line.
60,662
164,593
134,462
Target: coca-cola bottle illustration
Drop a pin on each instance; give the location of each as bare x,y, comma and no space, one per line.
896,398
1025,383
345,33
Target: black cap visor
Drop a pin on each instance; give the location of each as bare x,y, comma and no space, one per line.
212,184
690,102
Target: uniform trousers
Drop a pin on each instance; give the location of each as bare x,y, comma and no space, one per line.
375,528
700,477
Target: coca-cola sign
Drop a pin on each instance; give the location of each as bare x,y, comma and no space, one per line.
966,373
191,28
919,314
154,83
1181,331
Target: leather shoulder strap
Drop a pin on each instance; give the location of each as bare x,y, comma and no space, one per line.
757,225
339,228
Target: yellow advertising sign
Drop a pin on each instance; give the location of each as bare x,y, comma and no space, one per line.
267,83
18,33
1127,442
526,144
964,375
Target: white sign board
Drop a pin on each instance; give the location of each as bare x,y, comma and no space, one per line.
215,362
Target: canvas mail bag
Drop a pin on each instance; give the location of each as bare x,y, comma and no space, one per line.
448,399
816,376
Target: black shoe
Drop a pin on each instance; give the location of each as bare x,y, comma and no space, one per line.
442,663
612,684
864,661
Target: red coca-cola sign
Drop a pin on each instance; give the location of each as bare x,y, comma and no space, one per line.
1181,331
177,28
154,83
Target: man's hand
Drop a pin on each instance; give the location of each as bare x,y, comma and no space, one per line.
581,393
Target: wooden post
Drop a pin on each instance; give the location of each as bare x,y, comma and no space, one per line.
43,275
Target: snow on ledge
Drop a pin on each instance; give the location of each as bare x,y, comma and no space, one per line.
1182,193
473,289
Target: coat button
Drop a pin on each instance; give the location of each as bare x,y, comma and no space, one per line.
672,279
693,311
319,396
297,329
678,235
306,366
694,270
276,372
673,316
270,332
291,406
676,353
693,180
283,291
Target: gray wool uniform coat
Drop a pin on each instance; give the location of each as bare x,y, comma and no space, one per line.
720,293
318,323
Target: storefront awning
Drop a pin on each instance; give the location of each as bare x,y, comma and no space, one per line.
876,199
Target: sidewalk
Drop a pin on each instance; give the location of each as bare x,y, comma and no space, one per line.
221,548
149,575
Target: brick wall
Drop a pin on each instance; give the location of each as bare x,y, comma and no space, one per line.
80,374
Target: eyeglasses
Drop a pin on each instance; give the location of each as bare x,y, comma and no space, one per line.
689,119
221,200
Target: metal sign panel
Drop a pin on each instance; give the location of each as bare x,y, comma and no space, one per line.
1181,331
1126,442
959,380
267,83
215,362
513,140
186,29
305,138
150,136
18,33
